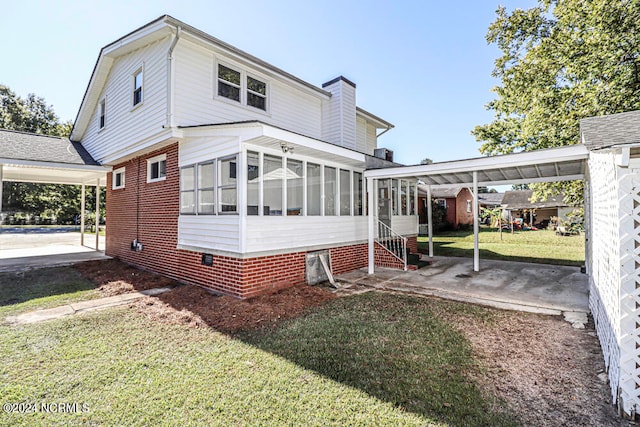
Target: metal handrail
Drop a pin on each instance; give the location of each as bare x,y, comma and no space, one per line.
394,243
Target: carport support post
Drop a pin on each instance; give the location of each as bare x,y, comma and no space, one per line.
83,200
97,213
476,229
0,194
429,221
371,224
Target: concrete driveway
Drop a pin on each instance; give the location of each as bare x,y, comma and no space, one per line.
23,251
539,288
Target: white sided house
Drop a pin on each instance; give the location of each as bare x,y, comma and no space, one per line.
228,172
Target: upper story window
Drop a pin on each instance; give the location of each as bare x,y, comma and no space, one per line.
137,87
228,83
242,88
103,113
256,93
157,168
117,179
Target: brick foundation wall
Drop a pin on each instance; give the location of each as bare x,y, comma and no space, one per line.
412,244
383,258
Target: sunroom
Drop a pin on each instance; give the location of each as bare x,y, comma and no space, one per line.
254,189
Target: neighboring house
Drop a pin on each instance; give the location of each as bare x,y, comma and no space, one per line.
519,204
227,171
458,202
490,200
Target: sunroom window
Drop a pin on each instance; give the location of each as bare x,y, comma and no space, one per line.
329,191
253,183
272,185
357,193
187,190
403,197
227,187
294,187
394,197
228,83
345,192
314,189
206,188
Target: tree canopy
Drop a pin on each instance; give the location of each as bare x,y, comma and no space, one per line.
29,115
561,61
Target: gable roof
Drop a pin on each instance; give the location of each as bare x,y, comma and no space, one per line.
162,27
520,199
490,198
614,129
23,146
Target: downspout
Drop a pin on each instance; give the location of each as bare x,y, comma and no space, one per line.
384,131
170,78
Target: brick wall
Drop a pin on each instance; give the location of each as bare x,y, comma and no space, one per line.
412,244
383,258
463,216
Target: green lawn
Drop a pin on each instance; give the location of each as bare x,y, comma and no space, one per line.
541,246
370,359
34,289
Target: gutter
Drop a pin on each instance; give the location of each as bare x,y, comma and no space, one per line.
170,78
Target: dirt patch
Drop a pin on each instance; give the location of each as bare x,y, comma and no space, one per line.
196,307
548,372
113,277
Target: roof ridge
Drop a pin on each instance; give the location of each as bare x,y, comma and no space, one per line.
32,133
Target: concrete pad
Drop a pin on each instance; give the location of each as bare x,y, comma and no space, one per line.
81,306
26,251
539,288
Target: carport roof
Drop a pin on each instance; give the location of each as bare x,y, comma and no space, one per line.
553,164
16,145
29,157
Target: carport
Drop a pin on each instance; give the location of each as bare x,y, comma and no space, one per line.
550,165
27,157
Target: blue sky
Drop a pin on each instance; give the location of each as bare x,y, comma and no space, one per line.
422,65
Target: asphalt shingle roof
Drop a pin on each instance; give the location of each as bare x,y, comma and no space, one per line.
520,200
16,145
615,129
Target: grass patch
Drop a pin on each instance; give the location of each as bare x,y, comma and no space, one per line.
400,349
42,288
541,246
372,359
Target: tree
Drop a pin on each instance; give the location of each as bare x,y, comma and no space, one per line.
561,61
426,161
29,115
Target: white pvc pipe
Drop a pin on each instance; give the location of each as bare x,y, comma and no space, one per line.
371,224
476,229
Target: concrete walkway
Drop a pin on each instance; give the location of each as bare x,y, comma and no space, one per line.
81,306
537,288
26,251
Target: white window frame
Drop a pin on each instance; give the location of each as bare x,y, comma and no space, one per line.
247,91
243,87
193,190
220,186
102,114
156,159
121,172
469,207
134,88
218,79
